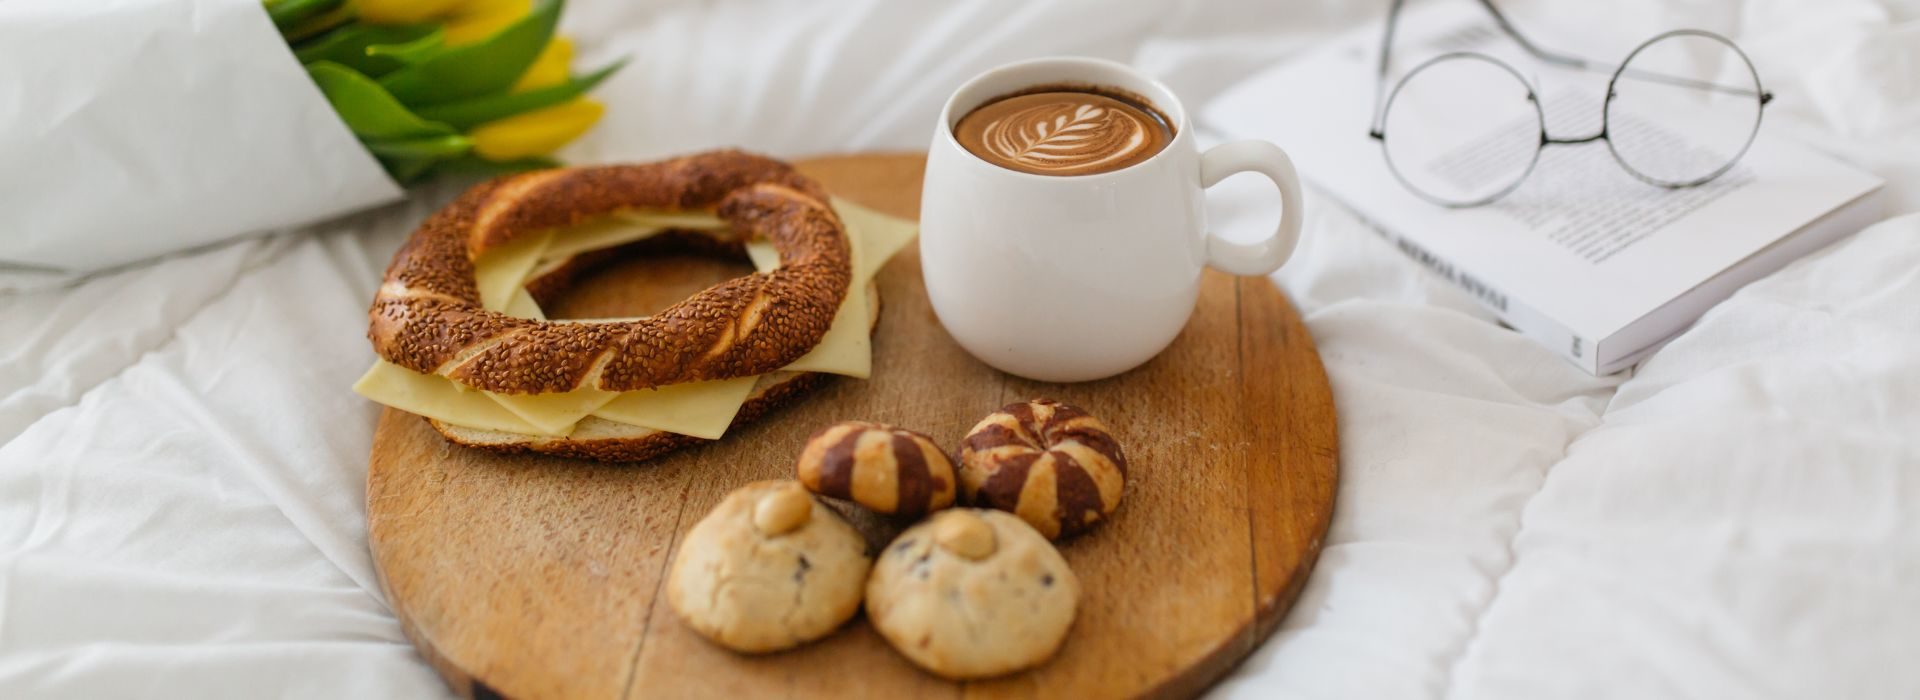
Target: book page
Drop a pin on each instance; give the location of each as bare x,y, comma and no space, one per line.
1584,207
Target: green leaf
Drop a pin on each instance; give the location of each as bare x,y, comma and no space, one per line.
349,46
318,24
411,52
475,165
432,147
408,170
477,69
287,13
367,108
466,114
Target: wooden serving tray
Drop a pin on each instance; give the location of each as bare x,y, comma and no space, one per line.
537,577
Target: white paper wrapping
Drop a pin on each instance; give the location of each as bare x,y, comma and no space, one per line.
132,128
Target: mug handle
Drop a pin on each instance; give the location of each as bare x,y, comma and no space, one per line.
1263,257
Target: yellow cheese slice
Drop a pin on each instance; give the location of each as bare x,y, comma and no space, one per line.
545,266
621,229
764,257
699,409
554,413
557,413
875,238
605,233
521,305
880,236
696,220
847,347
438,398
504,269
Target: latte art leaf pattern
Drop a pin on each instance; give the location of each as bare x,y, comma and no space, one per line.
1062,133
1066,136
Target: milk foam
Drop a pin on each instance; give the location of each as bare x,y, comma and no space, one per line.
1062,133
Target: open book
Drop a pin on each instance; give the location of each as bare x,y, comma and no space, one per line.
1582,257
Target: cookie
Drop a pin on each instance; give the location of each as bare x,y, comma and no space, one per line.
885,469
972,594
1052,464
770,568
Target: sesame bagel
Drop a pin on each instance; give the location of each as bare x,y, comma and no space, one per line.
609,441
427,315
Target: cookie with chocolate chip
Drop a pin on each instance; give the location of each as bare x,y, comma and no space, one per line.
769,568
972,594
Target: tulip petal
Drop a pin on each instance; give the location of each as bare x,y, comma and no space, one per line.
467,114
404,11
480,19
473,70
550,68
535,133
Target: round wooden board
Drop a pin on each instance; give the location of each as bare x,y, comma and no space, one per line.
537,577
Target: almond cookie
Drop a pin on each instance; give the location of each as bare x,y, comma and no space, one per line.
1049,463
888,470
770,568
972,594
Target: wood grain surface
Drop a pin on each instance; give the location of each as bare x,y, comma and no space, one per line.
537,577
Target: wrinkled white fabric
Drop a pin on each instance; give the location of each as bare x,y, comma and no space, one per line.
182,466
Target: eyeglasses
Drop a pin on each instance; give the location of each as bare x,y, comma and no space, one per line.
1464,128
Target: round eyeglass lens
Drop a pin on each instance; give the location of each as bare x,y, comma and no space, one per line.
1462,129
1683,109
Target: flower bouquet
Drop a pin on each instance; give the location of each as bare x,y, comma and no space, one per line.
164,125
445,85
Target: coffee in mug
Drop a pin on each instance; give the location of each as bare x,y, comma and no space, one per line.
1065,130
1063,229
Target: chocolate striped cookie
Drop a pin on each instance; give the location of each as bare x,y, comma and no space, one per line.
888,470
1051,464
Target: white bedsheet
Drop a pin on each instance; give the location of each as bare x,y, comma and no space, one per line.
182,466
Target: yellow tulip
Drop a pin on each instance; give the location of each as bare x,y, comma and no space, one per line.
550,68
404,11
535,133
474,20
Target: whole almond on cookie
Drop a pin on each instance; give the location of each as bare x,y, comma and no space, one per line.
769,568
972,594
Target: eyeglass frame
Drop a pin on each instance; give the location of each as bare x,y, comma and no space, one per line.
1383,101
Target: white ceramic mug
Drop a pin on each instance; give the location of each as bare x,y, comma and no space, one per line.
1073,278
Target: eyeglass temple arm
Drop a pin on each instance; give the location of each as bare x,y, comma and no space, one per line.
1577,62
1380,81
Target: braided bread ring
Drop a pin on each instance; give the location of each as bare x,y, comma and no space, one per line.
427,316
1051,464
